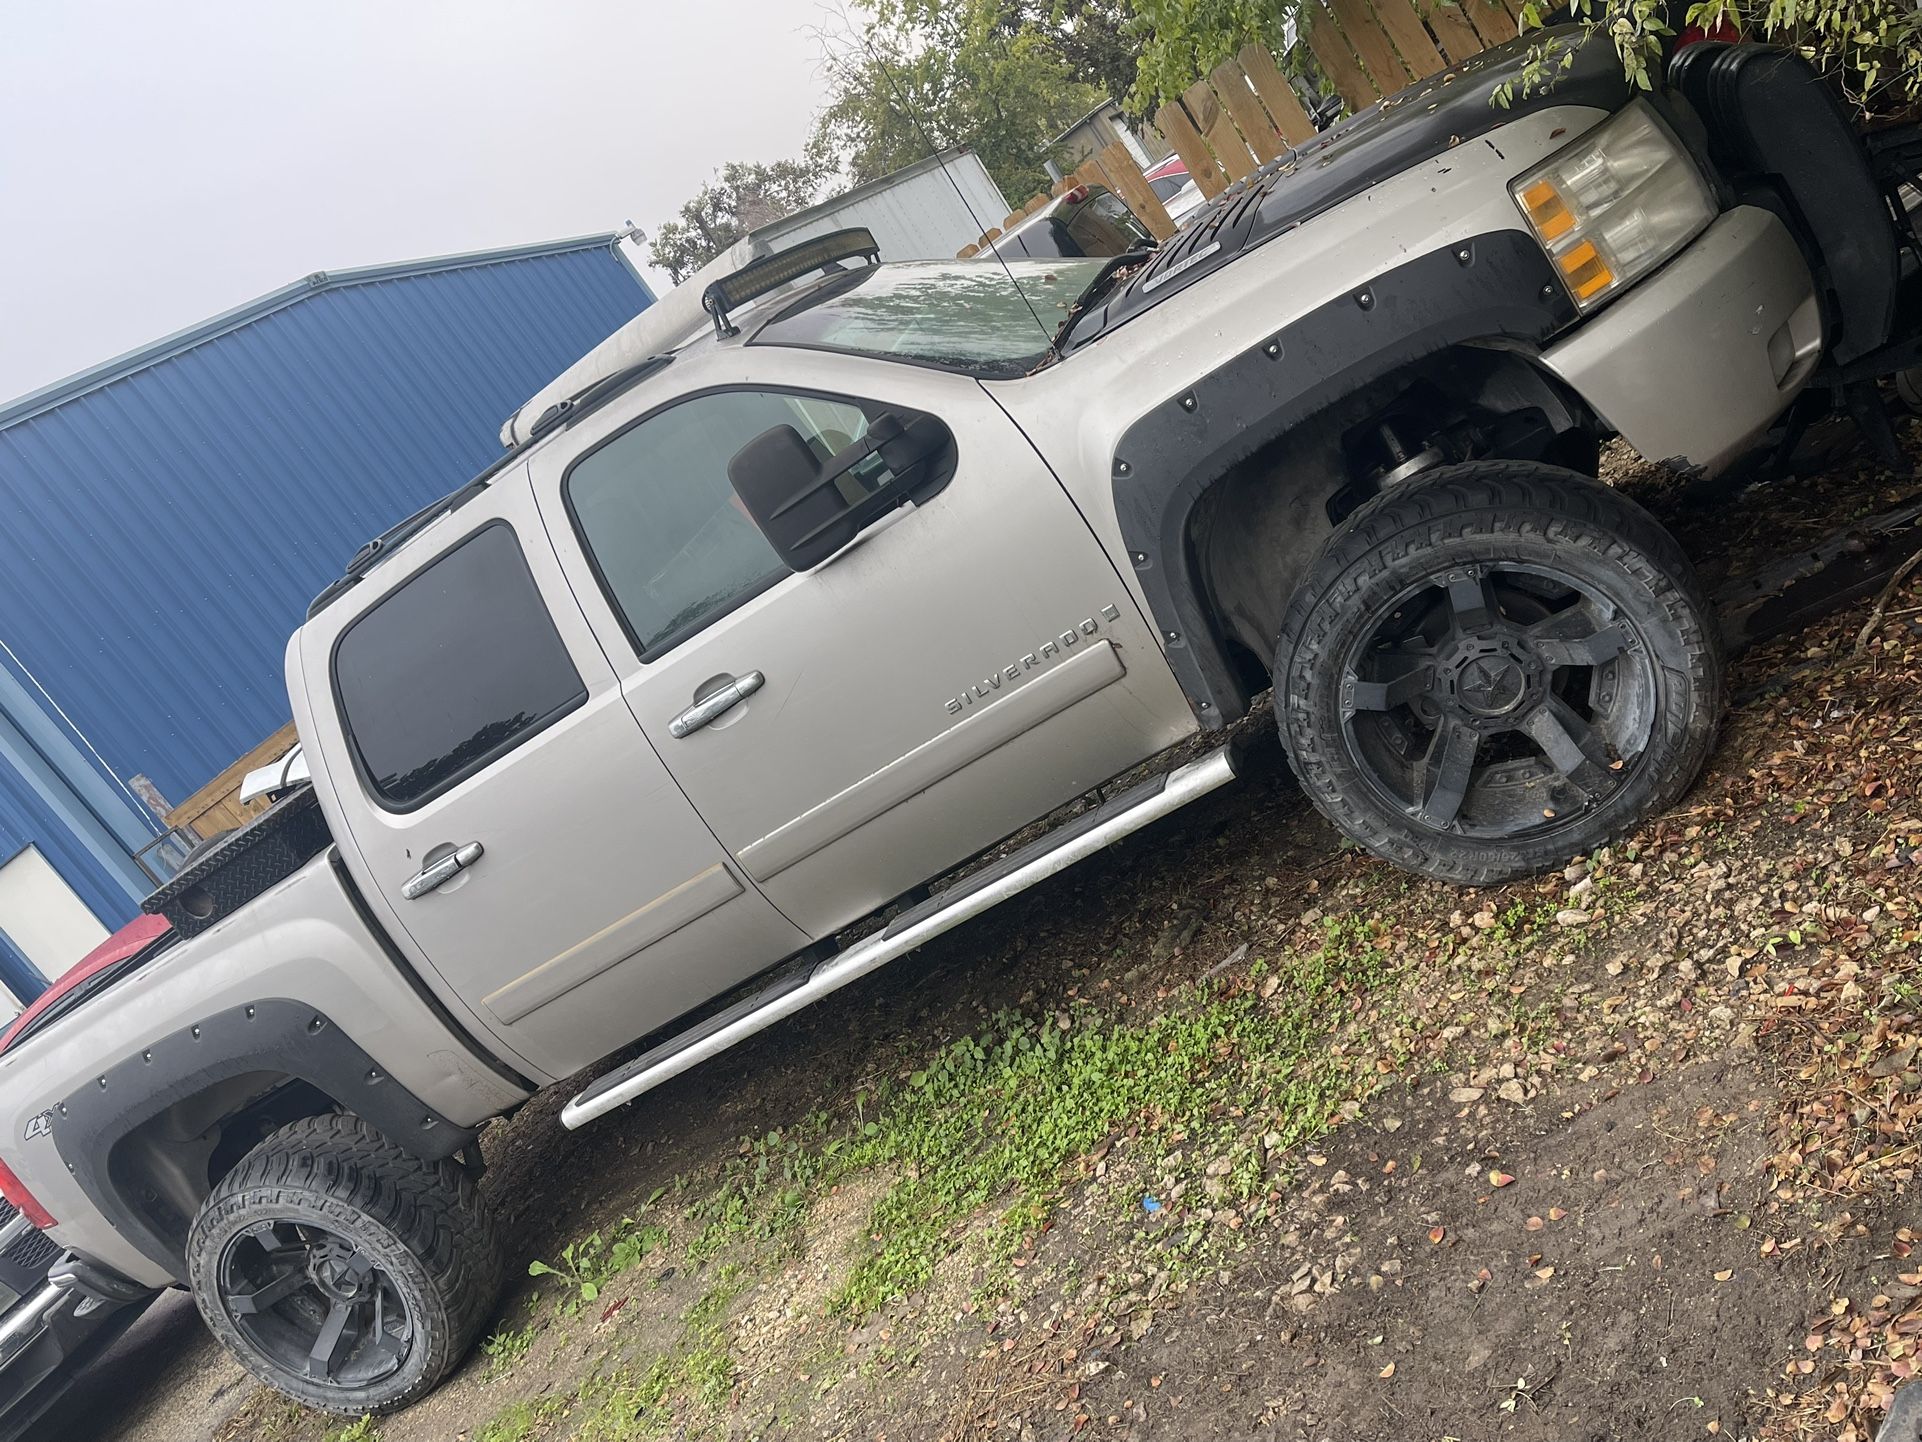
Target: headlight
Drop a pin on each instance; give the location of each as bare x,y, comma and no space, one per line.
1615,204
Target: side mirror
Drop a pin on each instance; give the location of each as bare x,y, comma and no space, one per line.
809,508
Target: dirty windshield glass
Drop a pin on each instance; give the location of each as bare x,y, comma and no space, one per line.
963,315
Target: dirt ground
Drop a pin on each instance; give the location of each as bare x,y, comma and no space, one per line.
1234,1132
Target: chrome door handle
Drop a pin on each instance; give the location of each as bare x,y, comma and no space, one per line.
428,878
708,707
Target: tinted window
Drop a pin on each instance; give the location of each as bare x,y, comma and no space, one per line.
455,668
1168,186
1040,239
655,509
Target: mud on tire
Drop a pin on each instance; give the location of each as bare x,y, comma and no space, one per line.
343,1270
1494,667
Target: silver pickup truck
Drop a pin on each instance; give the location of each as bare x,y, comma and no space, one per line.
825,575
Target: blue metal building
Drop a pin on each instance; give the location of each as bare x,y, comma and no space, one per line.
166,517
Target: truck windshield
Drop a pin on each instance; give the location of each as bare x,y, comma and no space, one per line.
961,315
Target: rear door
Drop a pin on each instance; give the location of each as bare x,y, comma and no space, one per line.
473,711
970,664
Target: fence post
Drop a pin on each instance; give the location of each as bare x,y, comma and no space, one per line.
1331,49
1179,131
1370,42
1218,130
1404,27
1452,28
1238,99
1125,180
1276,94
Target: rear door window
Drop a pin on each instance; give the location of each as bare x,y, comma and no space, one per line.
451,671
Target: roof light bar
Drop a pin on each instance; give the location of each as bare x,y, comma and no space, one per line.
771,272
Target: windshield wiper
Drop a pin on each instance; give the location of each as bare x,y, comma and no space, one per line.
1118,269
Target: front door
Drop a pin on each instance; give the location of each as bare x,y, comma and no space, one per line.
970,664
591,905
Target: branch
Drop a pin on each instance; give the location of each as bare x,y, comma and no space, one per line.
1880,613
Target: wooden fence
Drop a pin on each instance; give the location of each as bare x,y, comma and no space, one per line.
1245,113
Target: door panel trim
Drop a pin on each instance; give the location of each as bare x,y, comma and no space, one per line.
1017,713
612,945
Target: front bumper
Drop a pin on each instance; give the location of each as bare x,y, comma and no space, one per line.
1696,362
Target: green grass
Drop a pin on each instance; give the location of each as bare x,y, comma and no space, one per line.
362,1430
588,1265
994,1121
506,1348
986,1136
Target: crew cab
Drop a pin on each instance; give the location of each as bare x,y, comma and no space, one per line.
825,575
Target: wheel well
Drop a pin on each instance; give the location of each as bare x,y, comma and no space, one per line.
164,1168
1257,529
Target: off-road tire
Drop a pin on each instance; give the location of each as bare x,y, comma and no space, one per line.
425,1222
1477,513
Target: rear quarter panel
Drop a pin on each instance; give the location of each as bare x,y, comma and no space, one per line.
301,941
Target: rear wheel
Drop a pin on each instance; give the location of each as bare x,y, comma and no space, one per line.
1495,667
341,1269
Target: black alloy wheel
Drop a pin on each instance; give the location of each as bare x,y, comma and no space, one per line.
316,1303
1498,701
342,1269
1495,667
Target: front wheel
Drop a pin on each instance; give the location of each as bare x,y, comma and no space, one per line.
1495,667
341,1269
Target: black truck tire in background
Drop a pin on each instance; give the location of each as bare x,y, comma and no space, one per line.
343,1270
1495,667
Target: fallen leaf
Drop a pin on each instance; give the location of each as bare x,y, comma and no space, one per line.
1533,1224
1723,1276
1435,1234
1387,1371
1499,1179
1555,1214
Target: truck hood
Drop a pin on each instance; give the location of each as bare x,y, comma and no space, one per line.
1447,109
138,936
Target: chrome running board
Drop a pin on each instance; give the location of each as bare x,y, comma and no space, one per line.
968,898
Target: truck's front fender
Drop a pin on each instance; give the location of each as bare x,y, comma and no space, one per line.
1497,286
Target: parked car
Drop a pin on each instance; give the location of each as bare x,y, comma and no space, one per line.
56,1311
822,577
1089,220
1174,188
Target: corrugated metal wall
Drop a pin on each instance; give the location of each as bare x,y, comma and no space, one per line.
162,534
926,211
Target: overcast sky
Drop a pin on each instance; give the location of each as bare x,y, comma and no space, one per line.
163,160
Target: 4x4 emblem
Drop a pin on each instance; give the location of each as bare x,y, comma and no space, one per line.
40,1126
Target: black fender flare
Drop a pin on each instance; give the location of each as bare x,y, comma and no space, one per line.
1498,286
286,1038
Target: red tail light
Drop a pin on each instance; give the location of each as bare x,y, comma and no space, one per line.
1075,196
13,1191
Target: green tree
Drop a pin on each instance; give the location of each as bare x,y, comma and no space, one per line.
926,75
1870,49
1182,40
738,199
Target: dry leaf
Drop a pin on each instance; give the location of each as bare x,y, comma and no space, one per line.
1499,1179
1387,1371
